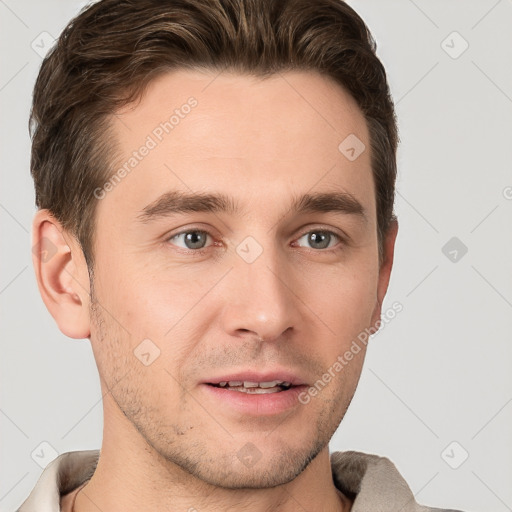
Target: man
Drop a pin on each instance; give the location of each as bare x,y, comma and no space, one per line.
215,184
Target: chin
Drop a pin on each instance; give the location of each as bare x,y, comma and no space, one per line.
249,468
263,478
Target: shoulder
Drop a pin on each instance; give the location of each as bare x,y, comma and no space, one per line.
61,476
374,483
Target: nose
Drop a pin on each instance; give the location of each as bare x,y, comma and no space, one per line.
260,298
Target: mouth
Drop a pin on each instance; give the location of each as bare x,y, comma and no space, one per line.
258,394
254,388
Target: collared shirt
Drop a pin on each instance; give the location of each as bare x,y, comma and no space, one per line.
372,482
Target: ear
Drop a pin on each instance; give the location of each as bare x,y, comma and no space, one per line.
385,270
62,275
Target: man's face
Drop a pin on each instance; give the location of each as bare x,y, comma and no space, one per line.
271,290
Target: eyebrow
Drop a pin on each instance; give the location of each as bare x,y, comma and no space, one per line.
177,202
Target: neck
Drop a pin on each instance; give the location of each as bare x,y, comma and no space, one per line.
132,476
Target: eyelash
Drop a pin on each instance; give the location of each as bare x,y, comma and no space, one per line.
201,251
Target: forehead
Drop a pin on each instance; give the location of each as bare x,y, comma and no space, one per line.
303,102
204,130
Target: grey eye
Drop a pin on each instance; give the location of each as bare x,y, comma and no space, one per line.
193,239
320,239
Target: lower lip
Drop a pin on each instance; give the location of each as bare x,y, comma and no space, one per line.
256,404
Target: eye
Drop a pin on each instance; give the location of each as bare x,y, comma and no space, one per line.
193,239
320,239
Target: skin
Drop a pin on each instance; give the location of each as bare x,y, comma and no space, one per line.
167,445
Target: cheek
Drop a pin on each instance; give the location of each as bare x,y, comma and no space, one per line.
158,313
137,298
130,359
345,298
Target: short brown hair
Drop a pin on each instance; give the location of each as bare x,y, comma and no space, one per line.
108,54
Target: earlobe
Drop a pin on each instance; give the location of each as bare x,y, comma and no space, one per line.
385,270
62,276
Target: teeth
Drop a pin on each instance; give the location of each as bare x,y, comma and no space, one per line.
242,385
256,391
270,384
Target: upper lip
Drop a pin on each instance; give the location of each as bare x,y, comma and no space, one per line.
252,376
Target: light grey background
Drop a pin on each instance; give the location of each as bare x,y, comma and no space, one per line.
439,373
